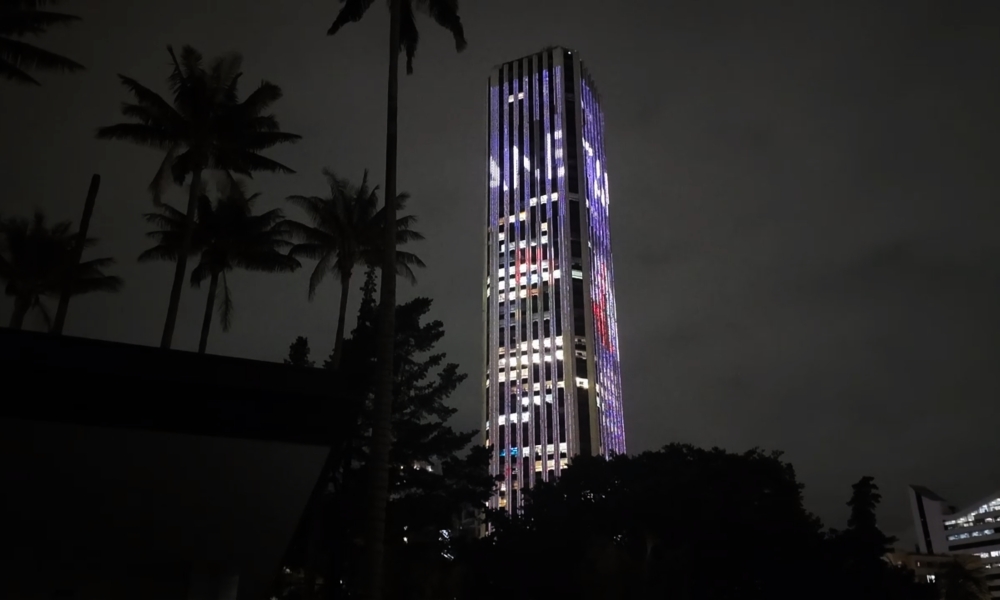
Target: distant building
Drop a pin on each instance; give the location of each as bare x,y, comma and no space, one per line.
942,528
927,567
552,385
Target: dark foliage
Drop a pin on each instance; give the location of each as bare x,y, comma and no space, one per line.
854,556
347,232
22,18
444,13
36,260
963,580
435,488
298,353
680,523
204,127
227,236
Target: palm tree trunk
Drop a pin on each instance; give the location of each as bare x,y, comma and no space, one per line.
182,258
206,324
378,460
81,235
21,307
338,344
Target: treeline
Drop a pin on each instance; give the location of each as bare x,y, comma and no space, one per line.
681,522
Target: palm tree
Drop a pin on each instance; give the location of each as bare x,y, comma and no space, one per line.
19,18
960,580
35,261
403,34
346,231
228,236
205,128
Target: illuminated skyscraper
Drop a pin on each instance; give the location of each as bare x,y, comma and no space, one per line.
553,384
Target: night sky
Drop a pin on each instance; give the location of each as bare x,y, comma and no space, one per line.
805,207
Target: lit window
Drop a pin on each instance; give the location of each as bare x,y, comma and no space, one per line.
931,578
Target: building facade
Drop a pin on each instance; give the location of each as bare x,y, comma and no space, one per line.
942,528
930,568
552,383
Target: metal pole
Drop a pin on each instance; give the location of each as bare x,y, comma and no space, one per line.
81,239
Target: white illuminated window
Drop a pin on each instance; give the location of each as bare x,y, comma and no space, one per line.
582,383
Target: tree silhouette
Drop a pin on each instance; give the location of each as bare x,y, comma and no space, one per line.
227,236
20,18
857,554
963,580
205,127
424,501
36,259
666,524
346,232
298,353
403,35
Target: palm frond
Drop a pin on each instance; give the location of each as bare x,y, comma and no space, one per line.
158,186
149,99
95,264
25,55
445,14
262,140
405,236
168,218
352,12
260,99
309,235
223,77
267,262
405,262
409,35
203,126
19,18
160,252
262,123
313,205
249,162
273,218
310,251
137,133
106,283
11,73
319,272
18,23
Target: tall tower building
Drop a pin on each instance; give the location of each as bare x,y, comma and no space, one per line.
553,385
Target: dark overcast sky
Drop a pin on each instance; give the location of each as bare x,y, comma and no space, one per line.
805,206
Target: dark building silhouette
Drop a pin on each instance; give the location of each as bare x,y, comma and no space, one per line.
132,472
